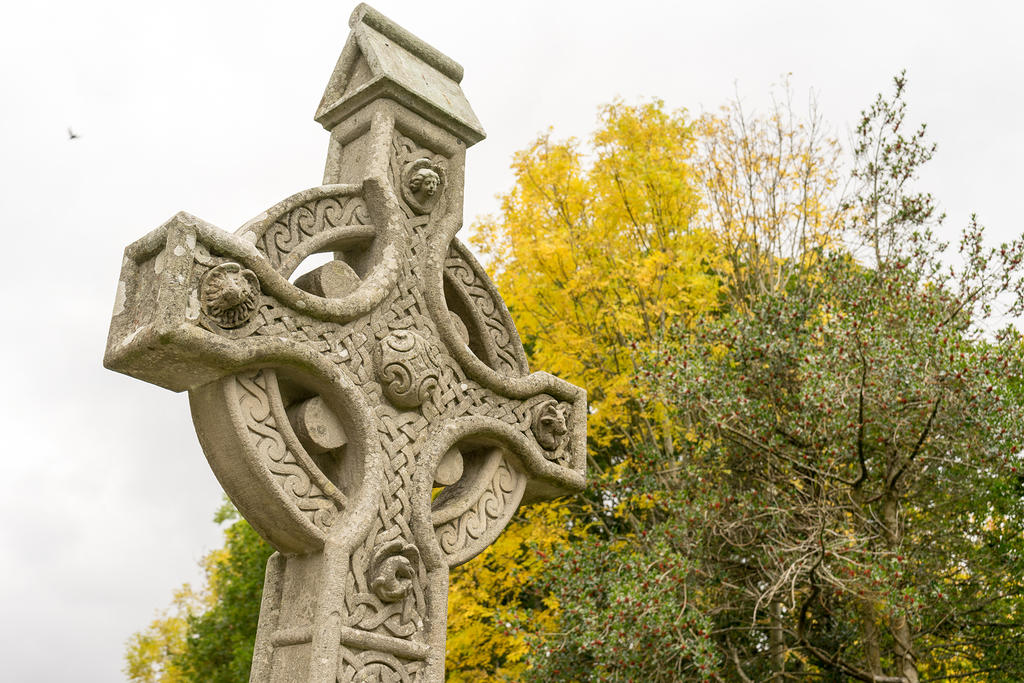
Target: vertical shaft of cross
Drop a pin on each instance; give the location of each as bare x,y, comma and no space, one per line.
317,631
362,152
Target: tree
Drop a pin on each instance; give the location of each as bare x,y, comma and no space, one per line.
844,501
769,189
596,246
857,438
637,603
150,654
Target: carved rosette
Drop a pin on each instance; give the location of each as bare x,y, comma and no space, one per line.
229,294
407,371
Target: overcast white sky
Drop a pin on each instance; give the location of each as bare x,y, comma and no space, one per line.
207,106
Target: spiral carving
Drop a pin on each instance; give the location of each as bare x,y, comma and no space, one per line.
407,372
305,221
467,534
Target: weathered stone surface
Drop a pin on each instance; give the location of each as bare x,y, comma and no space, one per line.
330,407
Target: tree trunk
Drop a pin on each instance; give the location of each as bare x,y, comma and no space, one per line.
666,436
903,648
869,632
777,644
906,664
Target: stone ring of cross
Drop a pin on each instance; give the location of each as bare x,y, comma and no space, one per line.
373,418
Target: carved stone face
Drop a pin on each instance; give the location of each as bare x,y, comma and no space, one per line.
423,184
550,424
425,181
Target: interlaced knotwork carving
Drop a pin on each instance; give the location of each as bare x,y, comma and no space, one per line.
398,432
375,667
348,346
332,341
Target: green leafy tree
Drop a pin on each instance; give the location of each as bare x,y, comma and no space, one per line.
845,501
852,496
220,639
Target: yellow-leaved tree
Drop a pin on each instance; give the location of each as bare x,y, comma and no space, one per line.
152,655
596,251
493,590
769,188
599,248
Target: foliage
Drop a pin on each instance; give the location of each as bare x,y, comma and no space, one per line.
768,188
844,501
597,245
150,654
496,586
861,428
627,609
632,607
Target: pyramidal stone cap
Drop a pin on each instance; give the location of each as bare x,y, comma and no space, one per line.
381,60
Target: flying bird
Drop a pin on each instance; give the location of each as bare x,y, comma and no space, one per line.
72,135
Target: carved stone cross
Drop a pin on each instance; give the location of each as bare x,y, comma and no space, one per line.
334,405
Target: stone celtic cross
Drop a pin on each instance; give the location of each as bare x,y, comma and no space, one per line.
374,419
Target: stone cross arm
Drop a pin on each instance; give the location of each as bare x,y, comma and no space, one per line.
373,418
